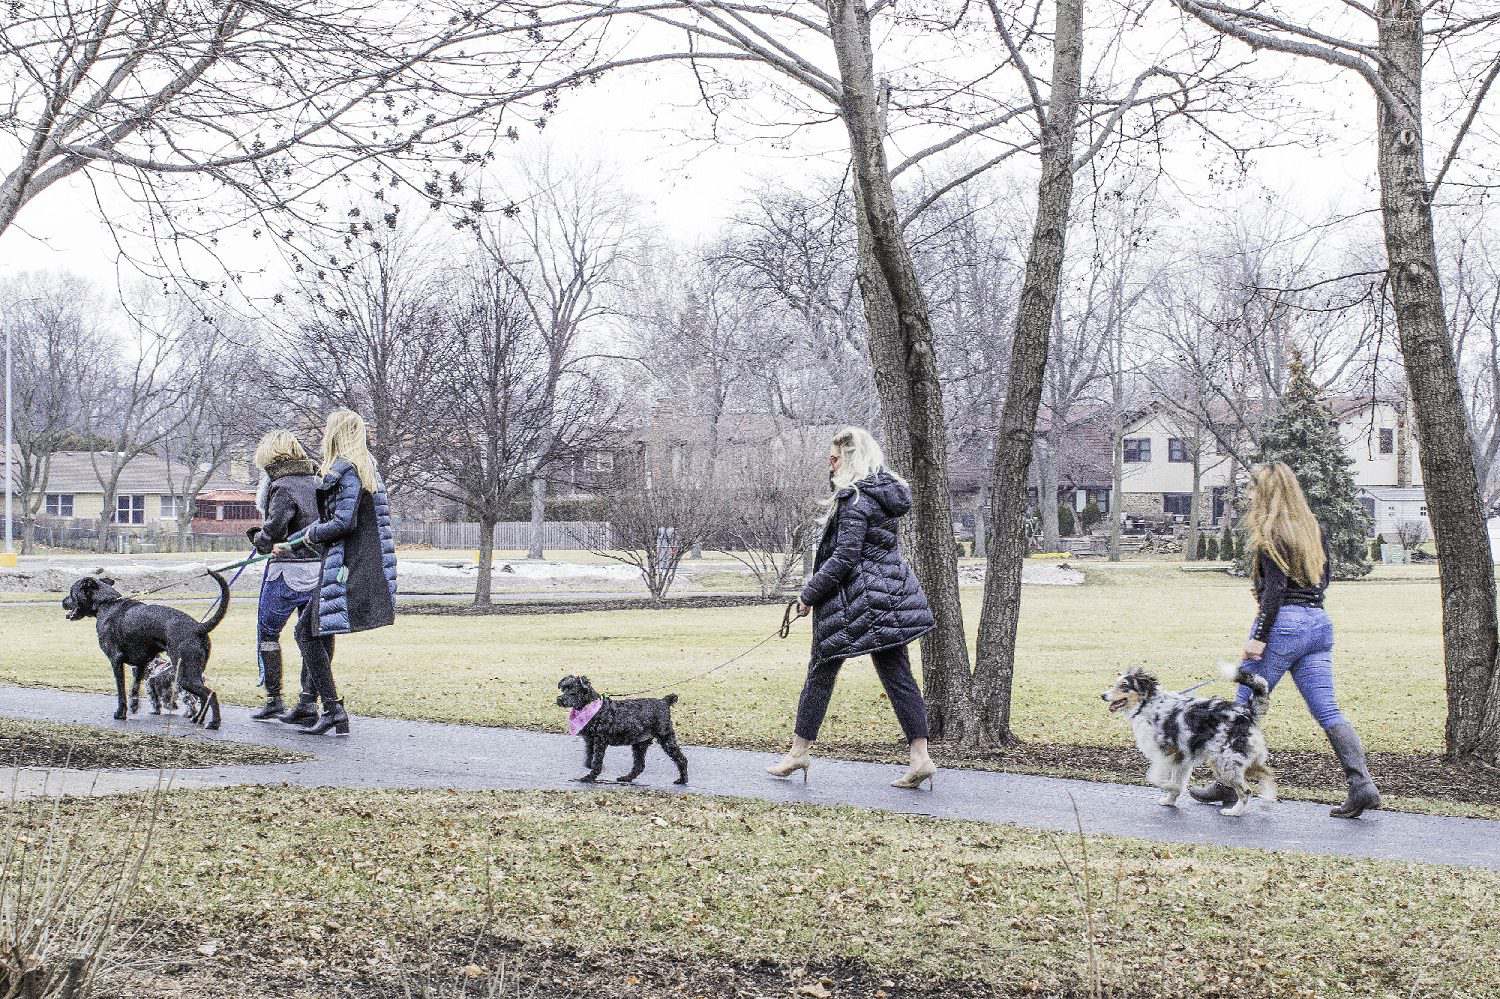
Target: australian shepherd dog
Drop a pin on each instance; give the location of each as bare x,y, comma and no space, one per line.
1178,732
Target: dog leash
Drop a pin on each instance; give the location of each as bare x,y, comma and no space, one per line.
782,631
219,569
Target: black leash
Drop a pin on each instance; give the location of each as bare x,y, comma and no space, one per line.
782,631
188,579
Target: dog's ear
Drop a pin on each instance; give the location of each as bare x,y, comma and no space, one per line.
88,583
106,581
584,681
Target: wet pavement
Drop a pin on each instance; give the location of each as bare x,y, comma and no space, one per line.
391,753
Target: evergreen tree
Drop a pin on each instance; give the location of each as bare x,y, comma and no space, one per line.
1202,552
1211,549
1304,437
1227,548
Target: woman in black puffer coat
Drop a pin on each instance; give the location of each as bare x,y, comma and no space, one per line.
867,601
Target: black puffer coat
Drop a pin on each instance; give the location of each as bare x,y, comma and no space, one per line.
866,597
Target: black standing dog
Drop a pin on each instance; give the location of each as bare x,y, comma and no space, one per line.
132,633
633,723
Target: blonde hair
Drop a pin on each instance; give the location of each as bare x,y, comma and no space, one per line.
278,445
1281,525
345,436
859,458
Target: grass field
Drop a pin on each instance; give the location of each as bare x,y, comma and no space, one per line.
645,895
503,670
83,747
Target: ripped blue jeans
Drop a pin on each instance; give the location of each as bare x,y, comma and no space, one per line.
1301,643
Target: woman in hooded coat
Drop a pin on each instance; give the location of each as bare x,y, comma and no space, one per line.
865,599
357,586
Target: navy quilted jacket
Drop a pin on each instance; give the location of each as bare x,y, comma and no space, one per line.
358,591
866,597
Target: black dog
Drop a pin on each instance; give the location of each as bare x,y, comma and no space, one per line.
132,633
631,723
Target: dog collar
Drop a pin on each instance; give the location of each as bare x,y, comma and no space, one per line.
579,718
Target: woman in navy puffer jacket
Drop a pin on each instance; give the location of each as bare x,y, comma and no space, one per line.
357,589
867,601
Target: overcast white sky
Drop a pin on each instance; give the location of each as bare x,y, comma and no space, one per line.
633,125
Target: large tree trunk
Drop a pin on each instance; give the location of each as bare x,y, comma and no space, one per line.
1117,500
995,662
1195,504
905,371
538,516
486,561
1465,570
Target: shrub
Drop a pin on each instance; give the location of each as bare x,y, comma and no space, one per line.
1090,516
1212,550
1202,552
1065,523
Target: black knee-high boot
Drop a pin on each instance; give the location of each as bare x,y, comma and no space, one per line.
270,663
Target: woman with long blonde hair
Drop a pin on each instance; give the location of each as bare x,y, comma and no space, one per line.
357,590
1289,572
867,601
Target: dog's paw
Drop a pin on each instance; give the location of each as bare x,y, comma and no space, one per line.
120,714
212,725
135,705
156,709
586,779
1167,800
624,780
680,781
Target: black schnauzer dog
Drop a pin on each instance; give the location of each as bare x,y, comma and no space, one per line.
134,634
604,723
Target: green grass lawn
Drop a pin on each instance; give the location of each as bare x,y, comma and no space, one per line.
503,670
614,893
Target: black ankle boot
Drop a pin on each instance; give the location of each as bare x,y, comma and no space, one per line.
305,712
273,709
335,719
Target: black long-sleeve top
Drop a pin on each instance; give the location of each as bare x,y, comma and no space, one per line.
1273,590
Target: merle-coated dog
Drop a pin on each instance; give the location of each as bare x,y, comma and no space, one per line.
132,633
635,723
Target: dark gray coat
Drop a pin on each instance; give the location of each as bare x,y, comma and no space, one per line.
288,501
866,597
358,591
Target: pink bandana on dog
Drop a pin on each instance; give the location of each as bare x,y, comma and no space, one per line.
578,718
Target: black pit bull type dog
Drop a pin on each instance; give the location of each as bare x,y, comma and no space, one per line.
604,722
132,633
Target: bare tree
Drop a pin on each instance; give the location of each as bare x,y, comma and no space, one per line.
159,99
365,332
564,245
58,355
652,526
1388,46
212,370
134,406
501,417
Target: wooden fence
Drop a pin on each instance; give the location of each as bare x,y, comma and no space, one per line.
508,536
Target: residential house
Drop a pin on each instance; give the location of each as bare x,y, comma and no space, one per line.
145,499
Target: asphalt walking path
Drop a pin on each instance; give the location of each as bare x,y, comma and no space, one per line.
391,753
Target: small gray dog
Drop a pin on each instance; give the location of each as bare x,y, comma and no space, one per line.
603,723
161,685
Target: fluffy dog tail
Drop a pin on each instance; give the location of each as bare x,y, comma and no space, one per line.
222,607
1260,691
671,699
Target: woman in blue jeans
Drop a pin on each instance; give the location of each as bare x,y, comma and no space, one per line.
288,503
1289,569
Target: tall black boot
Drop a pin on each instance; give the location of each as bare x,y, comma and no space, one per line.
270,663
1362,791
334,717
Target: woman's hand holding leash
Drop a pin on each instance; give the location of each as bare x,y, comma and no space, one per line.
802,609
1254,650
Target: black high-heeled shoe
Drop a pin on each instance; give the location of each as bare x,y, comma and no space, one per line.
335,719
304,712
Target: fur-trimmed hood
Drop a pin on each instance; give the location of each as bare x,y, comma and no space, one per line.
280,470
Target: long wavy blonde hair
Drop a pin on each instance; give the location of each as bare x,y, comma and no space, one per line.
1281,524
859,458
278,445
345,436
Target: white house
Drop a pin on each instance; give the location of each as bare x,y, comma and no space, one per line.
1376,433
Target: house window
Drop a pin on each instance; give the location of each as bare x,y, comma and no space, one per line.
1387,441
1137,450
1177,504
1177,450
1100,498
604,461
169,506
59,504
130,509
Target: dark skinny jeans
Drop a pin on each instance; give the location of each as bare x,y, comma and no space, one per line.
894,669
